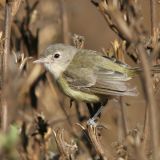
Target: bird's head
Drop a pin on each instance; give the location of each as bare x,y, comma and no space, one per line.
57,57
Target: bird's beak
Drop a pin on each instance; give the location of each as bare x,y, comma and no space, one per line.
41,60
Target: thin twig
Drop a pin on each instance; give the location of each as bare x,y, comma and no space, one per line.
153,16
91,131
67,150
123,118
7,40
135,36
65,25
8,20
151,101
146,129
60,103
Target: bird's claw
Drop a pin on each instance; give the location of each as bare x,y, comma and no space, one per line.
92,121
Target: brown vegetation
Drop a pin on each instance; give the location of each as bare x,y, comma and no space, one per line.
39,122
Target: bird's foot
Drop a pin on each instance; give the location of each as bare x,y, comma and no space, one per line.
92,121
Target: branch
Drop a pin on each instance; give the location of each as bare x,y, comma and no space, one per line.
153,11
7,32
134,34
65,25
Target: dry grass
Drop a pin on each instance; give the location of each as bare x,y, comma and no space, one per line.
39,122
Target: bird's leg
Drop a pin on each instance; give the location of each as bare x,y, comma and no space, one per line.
96,111
92,121
91,109
71,102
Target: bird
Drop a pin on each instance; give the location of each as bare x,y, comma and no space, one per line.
87,75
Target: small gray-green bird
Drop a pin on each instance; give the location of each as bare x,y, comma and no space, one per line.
87,75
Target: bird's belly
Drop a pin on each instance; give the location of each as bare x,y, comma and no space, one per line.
76,94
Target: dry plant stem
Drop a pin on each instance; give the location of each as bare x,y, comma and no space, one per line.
68,117
65,25
116,23
153,11
139,153
123,118
146,130
95,139
8,19
66,150
61,105
126,32
151,101
15,6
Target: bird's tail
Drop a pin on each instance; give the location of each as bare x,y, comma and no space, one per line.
137,70
156,68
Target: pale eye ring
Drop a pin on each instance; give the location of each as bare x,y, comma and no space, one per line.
57,55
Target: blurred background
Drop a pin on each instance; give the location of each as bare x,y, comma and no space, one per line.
32,93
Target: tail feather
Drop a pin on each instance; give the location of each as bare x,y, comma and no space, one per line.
136,70
156,68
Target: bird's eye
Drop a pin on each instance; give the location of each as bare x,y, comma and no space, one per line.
57,55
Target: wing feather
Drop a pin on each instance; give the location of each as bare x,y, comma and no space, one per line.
91,72
98,82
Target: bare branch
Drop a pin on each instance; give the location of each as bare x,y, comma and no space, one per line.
153,11
8,20
65,25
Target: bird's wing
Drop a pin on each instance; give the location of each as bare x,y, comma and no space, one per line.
91,72
99,81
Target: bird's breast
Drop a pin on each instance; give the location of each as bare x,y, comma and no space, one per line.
76,94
